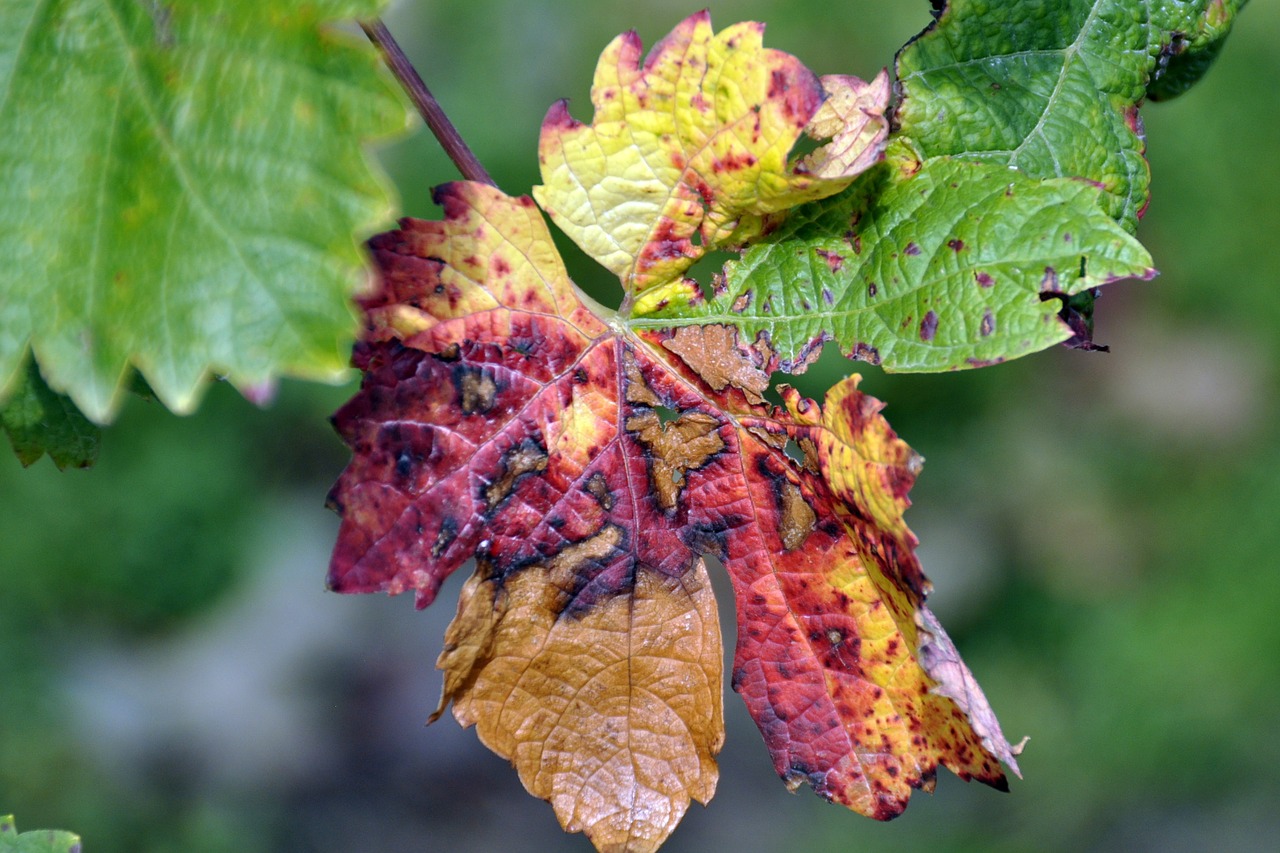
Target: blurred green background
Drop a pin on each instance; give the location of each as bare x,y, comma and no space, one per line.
1101,530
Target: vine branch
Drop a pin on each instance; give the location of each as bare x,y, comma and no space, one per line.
428,107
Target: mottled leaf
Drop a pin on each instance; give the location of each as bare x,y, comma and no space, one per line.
588,469
688,150
926,266
39,421
180,189
1052,87
36,841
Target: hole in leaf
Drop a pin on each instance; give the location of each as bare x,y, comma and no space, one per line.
707,267
793,450
805,146
666,415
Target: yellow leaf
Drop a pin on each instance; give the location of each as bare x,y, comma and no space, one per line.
689,151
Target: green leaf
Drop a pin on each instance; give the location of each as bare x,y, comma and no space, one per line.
1053,86
181,187
39,421
36,841
930,266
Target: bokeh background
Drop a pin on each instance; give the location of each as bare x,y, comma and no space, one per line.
1102,531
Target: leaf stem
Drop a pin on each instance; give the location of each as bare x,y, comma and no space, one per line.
428,107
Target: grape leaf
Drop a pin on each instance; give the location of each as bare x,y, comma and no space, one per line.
688,153
589,460
924,266
501,416
36,841
1052,87
39,421
179,187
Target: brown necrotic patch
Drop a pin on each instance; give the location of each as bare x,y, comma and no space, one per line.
674,449
714,354
797,519
598,488
527,457
448,532
575,567
477,390
637,389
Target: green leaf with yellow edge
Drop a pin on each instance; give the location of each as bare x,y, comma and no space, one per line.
688,151
181,186
922,266
35,841
1052,87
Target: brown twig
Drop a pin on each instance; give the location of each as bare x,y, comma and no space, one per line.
428,107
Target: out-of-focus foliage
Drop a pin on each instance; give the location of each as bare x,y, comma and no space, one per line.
179,187
1100,528
35,841
39,421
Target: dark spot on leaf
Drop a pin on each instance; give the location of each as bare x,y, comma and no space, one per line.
477,390
988,323
834,261
983,279
912,249
448,532
777,84
928,326
955,245
404,462
580,376
865,352
598,488
872,290
711,537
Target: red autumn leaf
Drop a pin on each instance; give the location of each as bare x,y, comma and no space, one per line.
588,468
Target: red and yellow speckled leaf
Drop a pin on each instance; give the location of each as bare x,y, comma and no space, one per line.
688,150
588,468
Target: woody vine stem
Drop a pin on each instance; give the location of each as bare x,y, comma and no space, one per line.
428,107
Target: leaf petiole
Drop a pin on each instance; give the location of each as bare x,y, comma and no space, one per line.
428,107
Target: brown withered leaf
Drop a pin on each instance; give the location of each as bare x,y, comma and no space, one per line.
588,467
